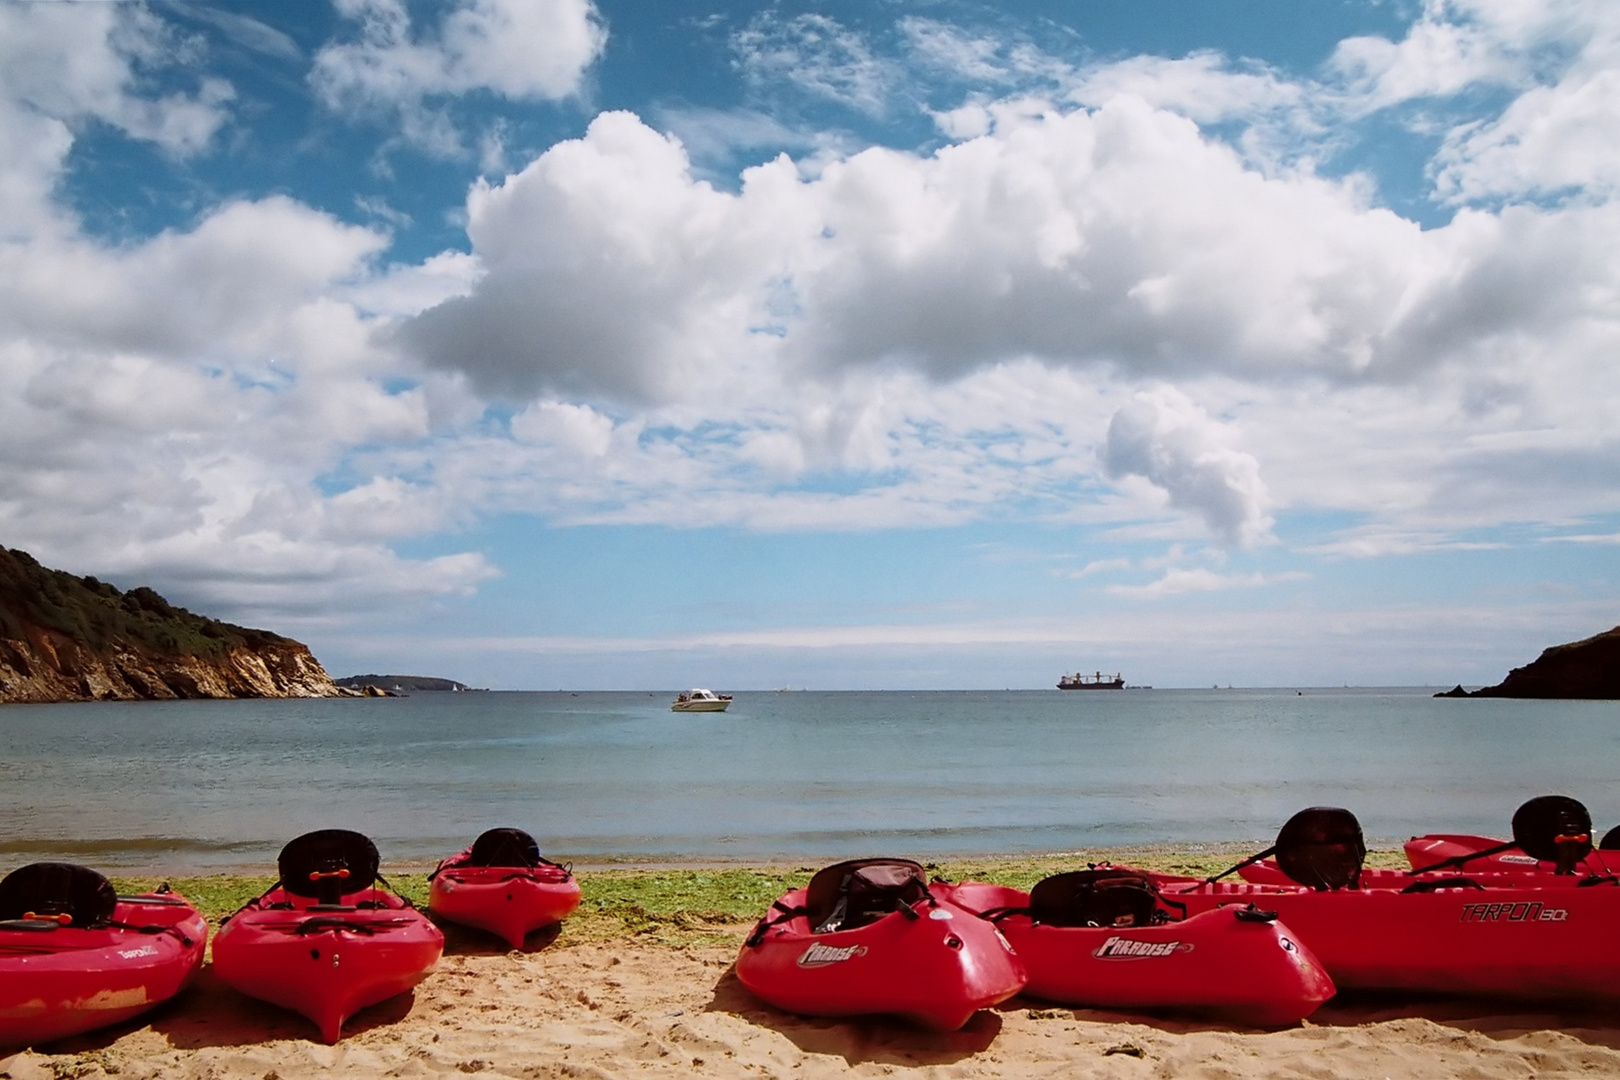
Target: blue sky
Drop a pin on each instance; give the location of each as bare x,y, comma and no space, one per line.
547,343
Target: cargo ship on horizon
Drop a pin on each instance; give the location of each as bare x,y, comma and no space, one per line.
1093,682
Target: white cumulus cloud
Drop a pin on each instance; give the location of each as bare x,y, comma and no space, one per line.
518,49
1165,438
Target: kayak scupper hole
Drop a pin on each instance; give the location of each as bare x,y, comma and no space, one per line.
314,954
954,942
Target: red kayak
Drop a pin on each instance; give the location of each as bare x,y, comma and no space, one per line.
868,937
502,884
326,942
74,956
1515,941
1483,853
1106,939
1552,834
1509,936
1465,852
1269,873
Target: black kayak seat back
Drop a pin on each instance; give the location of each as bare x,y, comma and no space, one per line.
1111,896
504,847
55,889
1555,829
325,864
850,894
1322,847
1611,840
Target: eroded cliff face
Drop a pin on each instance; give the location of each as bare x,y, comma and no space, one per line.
64,638
44,667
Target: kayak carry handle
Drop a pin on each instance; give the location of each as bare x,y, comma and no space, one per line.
156,901
996,914
315,926
1254,914
64,919
1436,884
322,875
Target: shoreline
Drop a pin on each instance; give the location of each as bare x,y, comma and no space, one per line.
690,903
1380,852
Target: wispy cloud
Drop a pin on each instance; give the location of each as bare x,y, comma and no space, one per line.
1376,541
817,55
1584,538
1199,580
1100,566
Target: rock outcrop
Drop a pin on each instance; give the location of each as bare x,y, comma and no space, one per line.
1580,669
67,638
401,684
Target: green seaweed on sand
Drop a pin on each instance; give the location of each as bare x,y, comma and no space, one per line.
218,895
710,906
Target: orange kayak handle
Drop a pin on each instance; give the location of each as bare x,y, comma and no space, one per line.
63,919
318,875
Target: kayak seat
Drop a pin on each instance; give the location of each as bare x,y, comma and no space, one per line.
1112,896
505,847
1322,847
326,864
63,893
1555,829
856,893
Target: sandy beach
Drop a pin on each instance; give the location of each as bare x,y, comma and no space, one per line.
630,1008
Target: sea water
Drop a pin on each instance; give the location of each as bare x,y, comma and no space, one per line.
183,786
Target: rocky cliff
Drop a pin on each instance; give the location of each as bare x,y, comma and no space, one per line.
66,638
1580,669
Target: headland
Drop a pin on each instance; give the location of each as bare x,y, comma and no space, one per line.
69,638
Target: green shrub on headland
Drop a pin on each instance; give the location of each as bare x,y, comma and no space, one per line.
97,615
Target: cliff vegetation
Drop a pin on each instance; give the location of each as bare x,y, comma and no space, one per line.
68,638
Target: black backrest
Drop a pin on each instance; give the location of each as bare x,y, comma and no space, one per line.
1322,847
504,847
1108,897
1555,829
325,864
54,888
854,893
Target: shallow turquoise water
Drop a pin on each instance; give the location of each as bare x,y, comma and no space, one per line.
190,785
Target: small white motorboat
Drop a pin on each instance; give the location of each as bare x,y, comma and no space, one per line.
701,700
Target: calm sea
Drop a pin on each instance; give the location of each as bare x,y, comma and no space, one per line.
799,775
